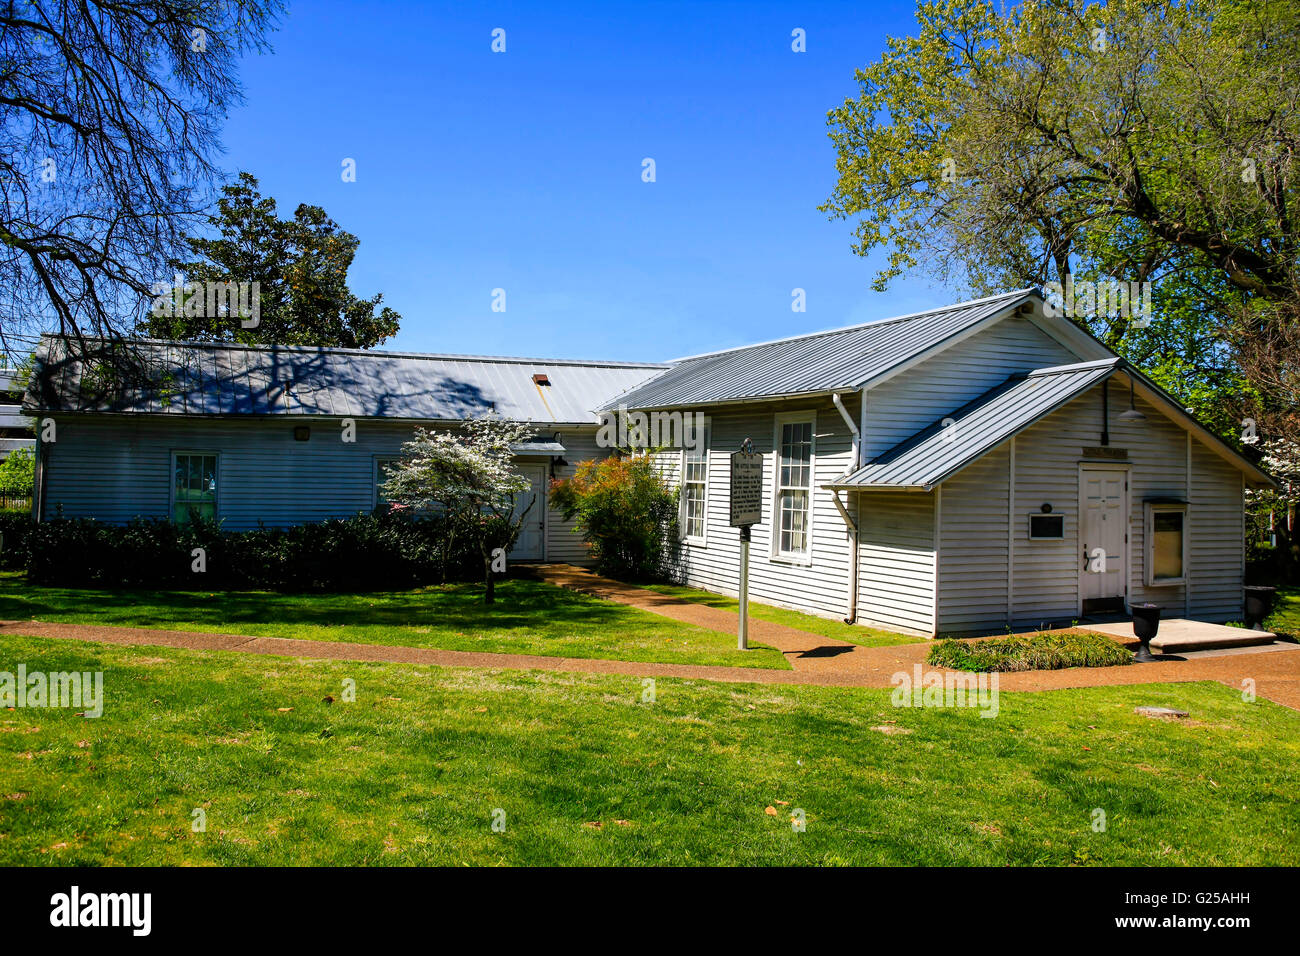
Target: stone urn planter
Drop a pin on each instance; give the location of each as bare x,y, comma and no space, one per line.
1146,624
1259,605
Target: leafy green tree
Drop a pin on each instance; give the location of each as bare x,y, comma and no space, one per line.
300,267
1145,140
18,473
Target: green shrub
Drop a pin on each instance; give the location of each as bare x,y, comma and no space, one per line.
18,473
15,532
383,551
625,511
1051,650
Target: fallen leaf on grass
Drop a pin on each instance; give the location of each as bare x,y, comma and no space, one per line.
284,710
770,811
784,803
594,825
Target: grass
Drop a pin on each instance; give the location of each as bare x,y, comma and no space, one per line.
826,627
1285,619
529,618
1047,650
587,773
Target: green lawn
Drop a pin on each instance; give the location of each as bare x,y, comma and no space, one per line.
588,773
826,627
1285,618
529,618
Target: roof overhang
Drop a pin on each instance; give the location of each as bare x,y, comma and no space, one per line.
1090,375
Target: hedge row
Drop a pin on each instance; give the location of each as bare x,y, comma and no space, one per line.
361,553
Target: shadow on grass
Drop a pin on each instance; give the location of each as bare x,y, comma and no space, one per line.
520,604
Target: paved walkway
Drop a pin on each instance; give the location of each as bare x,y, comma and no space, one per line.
1275,671
823,660
807,653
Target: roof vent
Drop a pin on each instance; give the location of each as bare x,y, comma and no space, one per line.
541,378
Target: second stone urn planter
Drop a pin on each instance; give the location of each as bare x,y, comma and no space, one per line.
1146,624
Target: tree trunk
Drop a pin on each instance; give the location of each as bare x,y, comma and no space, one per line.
489,594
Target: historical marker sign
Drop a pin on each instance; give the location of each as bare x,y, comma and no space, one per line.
746,488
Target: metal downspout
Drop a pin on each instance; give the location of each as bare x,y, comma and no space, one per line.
856,457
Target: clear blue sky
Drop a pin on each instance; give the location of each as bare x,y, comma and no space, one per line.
522,170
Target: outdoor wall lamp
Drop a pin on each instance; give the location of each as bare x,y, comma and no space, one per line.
1132,415
301,432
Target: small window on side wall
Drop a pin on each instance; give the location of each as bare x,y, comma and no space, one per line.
1046,526
382,466
1166,543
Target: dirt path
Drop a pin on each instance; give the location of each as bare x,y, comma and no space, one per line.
1276,672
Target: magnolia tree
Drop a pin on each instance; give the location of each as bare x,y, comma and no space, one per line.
467,474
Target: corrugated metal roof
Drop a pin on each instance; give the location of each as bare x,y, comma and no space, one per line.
812,364
932,455
203,378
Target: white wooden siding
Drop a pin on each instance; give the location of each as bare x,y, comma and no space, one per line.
563,543
896,562
118,468
819,586
901,406
1216,523
973,546
973,570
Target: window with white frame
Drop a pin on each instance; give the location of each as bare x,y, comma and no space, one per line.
194,486
1166,543
695,487
381,475
794,472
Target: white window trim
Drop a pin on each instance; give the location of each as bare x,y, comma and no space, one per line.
786,418
171,480
699,541
1149,543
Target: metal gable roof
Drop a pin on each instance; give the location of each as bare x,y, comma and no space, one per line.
812,364
205,378
930,456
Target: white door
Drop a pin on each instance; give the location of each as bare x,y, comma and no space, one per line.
531,544
1103,532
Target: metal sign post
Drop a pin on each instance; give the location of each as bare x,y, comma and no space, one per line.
743,641
746,511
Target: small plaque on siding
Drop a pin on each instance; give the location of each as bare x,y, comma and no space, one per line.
1106,452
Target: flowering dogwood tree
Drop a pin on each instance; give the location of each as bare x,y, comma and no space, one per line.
467,472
